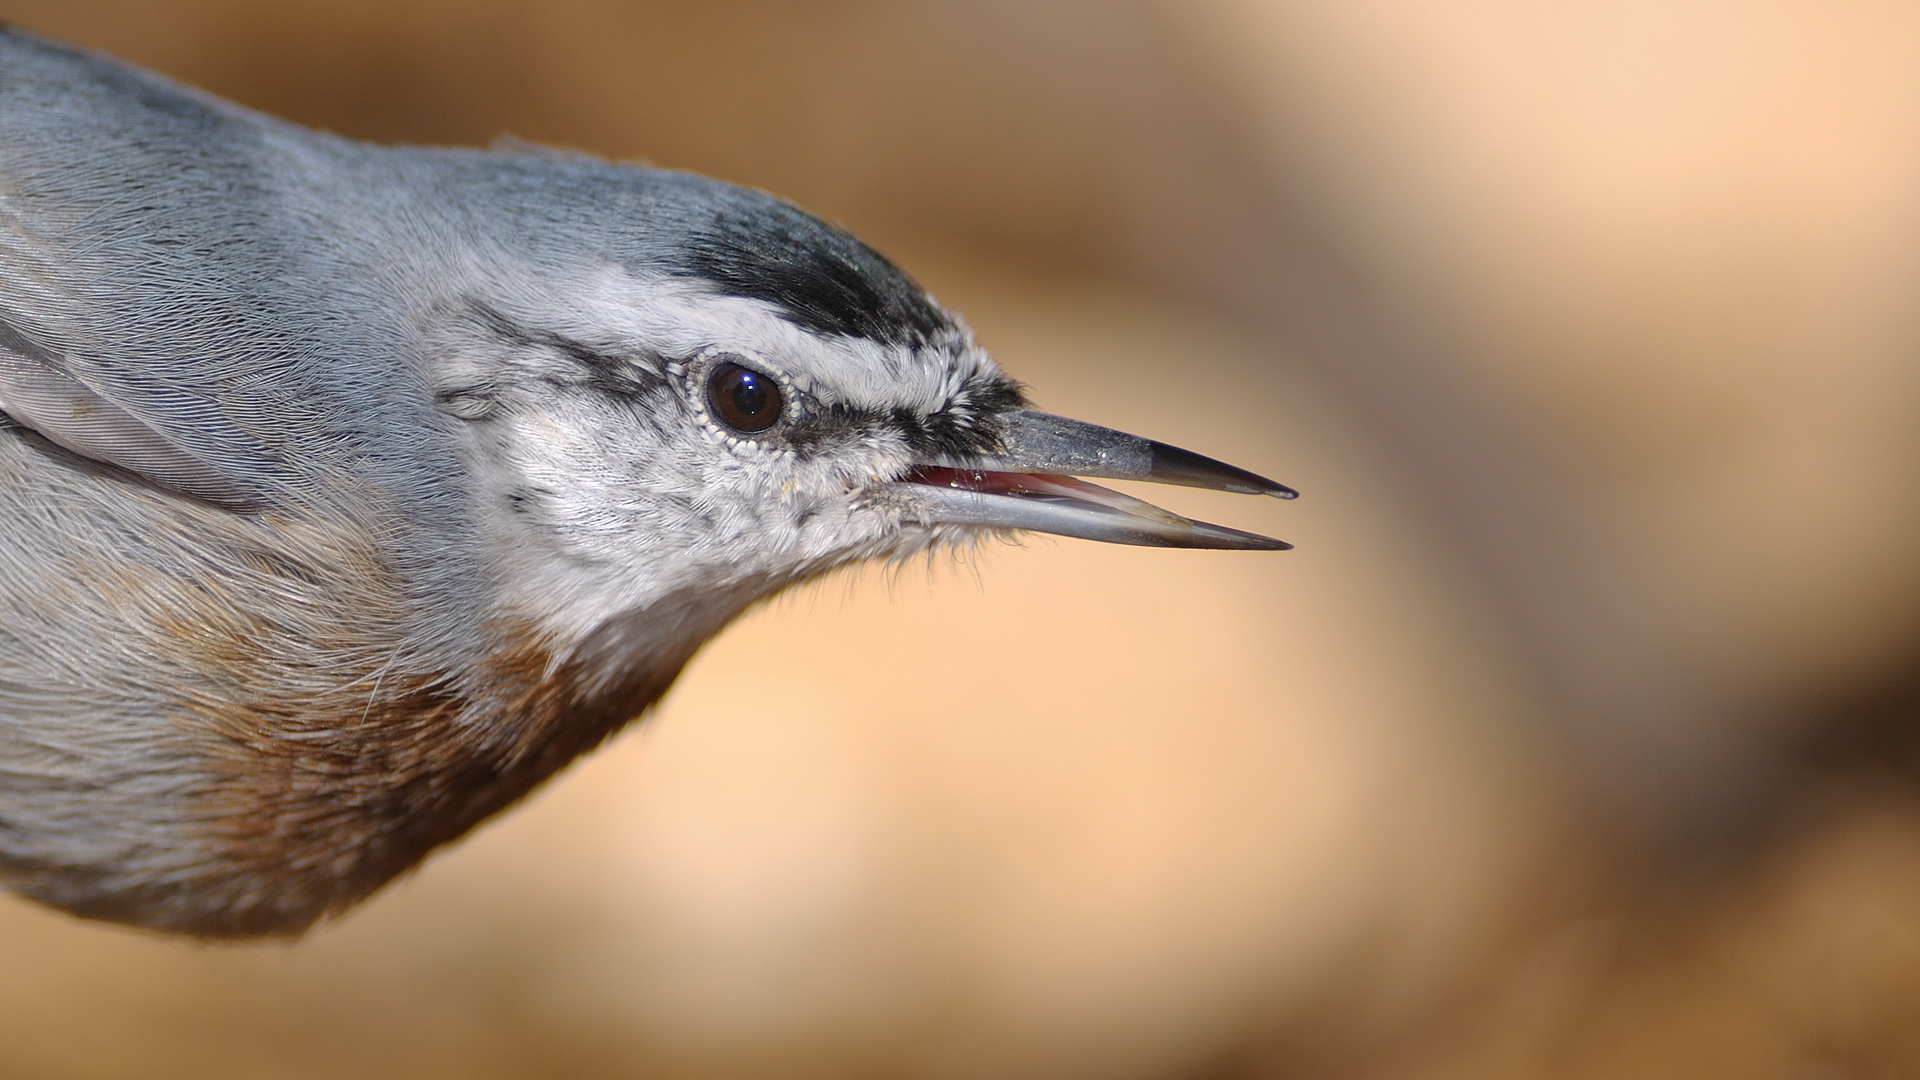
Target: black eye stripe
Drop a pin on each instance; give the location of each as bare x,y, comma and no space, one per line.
743,399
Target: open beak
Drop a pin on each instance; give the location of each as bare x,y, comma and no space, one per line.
1030,484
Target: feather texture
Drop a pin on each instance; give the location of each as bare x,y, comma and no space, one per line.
348,491
66,411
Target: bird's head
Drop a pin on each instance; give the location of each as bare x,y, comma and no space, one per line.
740,396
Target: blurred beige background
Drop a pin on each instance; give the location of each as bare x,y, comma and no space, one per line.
1577,738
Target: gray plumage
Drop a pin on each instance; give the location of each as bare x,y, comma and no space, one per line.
348,491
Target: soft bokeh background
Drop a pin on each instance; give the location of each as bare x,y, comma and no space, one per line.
1578,738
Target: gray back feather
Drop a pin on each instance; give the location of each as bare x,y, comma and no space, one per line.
198,301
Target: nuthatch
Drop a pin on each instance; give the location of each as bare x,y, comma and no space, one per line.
349,491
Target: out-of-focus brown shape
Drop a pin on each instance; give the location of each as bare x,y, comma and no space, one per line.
1571,742
1658,262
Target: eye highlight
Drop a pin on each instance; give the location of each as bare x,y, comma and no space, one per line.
742,398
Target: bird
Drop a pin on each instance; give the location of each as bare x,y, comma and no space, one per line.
349,491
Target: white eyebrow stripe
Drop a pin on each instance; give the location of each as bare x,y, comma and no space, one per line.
681,318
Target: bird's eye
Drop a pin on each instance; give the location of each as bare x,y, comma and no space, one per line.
742,398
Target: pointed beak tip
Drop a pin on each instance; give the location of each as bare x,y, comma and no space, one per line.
1032,482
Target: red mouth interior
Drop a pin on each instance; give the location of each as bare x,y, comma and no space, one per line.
1025,485
991,483
1044,487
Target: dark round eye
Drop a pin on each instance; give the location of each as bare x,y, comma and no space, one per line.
742,398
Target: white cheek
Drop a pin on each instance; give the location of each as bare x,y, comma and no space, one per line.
618,520
567,467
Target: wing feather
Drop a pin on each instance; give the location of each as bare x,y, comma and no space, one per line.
38,394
